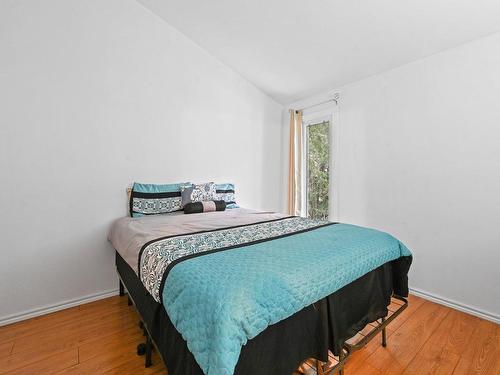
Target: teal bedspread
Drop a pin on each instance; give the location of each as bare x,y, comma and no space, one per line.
222,299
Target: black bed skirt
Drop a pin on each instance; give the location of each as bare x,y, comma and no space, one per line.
283,346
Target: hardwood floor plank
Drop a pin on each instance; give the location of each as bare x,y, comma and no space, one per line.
27,327
407,341
365,369
70,335
115,342
48,365
104,328
136,366
443,350
18,360
414,303
482,354
108,360
6,349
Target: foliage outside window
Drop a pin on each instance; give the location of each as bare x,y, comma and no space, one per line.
318,155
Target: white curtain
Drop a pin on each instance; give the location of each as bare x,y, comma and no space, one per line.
295,164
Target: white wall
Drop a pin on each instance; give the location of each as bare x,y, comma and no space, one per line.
94,95
419,157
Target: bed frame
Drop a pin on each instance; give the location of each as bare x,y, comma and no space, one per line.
359,341
335,363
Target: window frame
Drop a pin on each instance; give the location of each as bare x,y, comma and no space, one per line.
311,117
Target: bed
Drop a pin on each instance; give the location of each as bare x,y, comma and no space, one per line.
243,292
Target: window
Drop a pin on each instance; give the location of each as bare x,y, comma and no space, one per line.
317,166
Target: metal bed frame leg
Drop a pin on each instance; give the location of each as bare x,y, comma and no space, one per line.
146,349
122,292
149,348
384,335
122,288
341,357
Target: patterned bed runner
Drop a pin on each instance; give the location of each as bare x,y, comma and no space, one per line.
156,258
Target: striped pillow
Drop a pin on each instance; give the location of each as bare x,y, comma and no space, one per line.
225,192
151,199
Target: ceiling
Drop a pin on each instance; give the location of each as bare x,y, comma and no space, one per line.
292,49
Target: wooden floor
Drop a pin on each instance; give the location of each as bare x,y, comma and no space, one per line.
101,338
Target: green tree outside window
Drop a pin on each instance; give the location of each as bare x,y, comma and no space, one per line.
318,155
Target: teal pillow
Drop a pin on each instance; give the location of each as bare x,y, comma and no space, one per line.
152,199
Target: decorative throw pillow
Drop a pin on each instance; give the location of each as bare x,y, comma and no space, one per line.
151,199
225,192
197,193
204,206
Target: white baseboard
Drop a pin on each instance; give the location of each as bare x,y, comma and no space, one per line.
9,319
456,305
